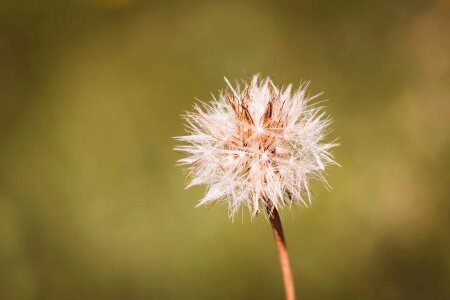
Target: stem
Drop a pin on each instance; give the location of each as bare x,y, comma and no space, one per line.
286,271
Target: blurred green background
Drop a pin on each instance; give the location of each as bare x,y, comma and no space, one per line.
93,207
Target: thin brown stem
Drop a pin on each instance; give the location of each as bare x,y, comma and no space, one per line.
286,271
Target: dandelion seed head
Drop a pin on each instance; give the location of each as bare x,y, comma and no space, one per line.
256,145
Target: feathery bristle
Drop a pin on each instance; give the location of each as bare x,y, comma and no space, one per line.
256,146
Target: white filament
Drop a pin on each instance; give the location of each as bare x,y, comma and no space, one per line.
256,146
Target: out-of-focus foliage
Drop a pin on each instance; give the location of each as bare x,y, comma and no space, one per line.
93,207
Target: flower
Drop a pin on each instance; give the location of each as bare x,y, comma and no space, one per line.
256,147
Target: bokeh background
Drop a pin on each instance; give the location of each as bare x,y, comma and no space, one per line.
93,207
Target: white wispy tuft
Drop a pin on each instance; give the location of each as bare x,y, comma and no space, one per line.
257,146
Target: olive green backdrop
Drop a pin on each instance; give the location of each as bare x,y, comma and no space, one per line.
93,207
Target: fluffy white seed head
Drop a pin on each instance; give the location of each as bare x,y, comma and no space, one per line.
257,146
